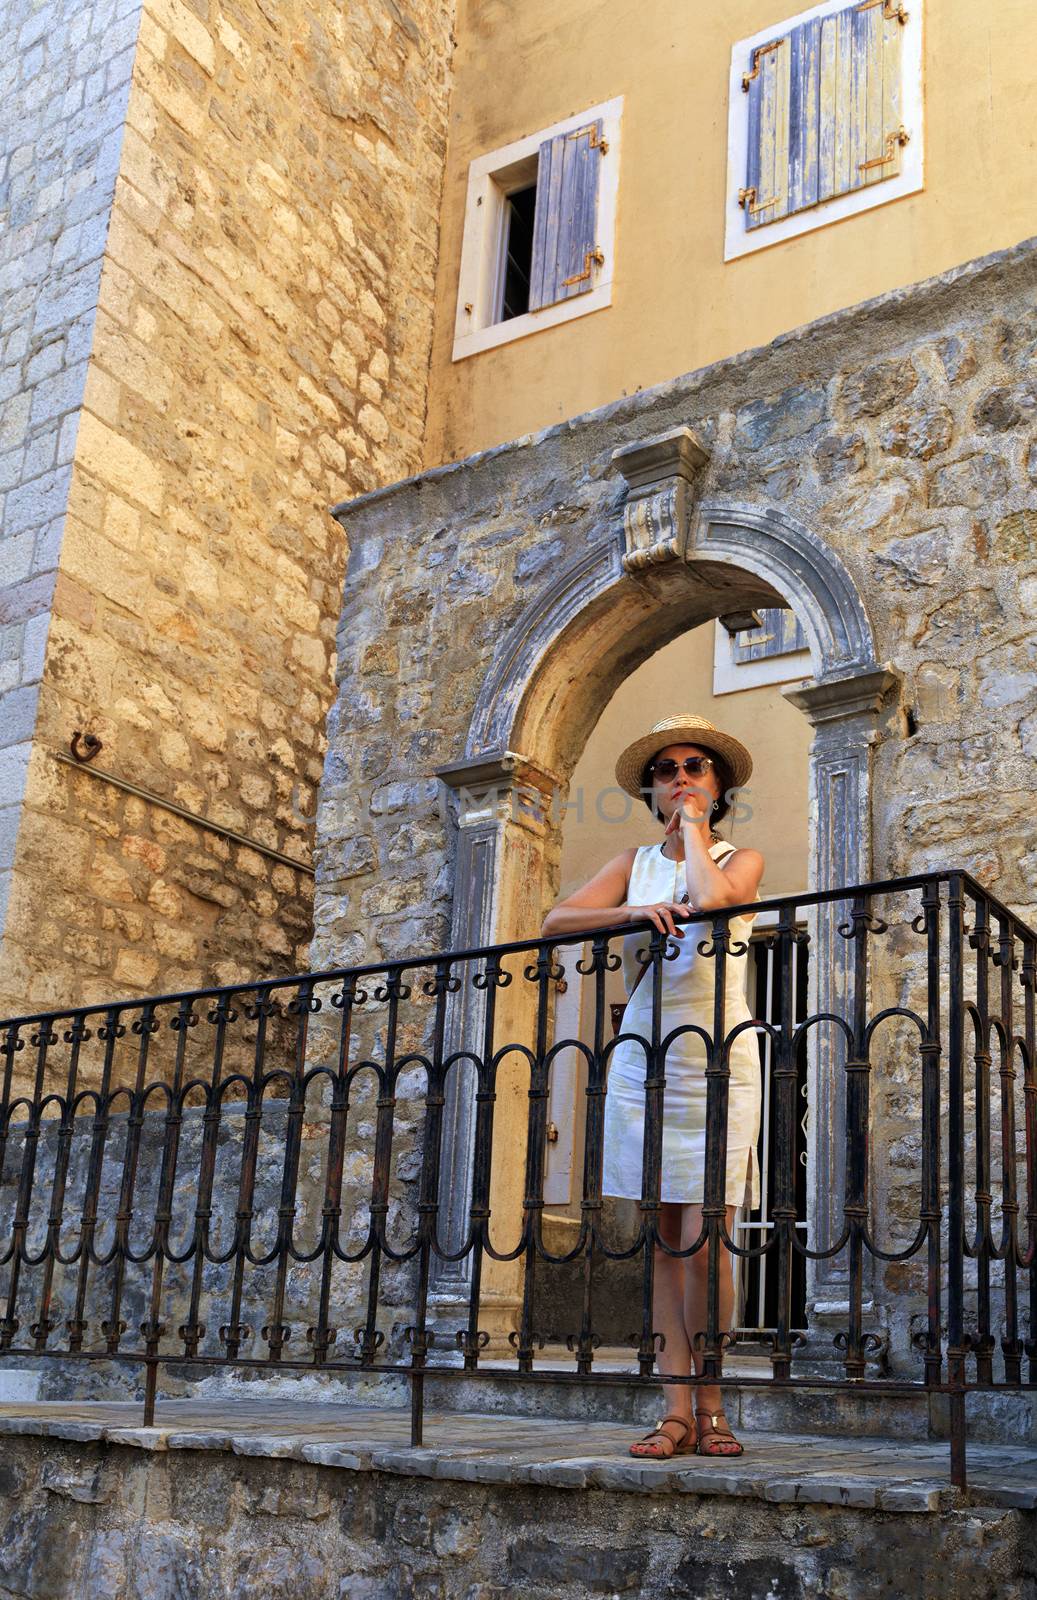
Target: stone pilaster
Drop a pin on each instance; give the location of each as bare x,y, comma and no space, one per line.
502,803
849,716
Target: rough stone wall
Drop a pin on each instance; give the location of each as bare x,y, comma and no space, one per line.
64,82
904,434
261,345
82,1519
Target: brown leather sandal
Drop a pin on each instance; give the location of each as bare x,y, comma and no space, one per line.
641,1448
716,1436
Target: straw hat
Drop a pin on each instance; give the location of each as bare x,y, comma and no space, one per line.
685,729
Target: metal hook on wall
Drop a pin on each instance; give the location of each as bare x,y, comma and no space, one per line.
91,745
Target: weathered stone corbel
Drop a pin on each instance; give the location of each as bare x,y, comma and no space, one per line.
660,474
500,786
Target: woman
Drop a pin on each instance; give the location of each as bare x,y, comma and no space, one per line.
684,769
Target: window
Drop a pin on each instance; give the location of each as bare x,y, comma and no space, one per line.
825,119
539,231
517,253
774,650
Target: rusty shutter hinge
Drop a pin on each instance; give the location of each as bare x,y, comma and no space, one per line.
597,141
593,258
892,10
748,201
893,140
760,51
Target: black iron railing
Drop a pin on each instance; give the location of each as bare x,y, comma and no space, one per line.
200,1178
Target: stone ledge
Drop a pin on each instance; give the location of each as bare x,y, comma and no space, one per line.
778,1469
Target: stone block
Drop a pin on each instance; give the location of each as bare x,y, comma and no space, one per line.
119,464
18,715
909,1497
919,434
89,1487
973,481
1015,536
36,502
787,415
594,1569
16,557
1004,407
877,388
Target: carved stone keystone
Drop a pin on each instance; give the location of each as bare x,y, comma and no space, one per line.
657,515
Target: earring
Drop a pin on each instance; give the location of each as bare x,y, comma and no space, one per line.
716,805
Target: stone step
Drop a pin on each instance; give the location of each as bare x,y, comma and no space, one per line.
996,1417
553,1391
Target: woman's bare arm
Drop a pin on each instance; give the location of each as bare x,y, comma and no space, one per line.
601,903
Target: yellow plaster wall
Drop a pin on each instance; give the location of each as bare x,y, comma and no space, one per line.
676,304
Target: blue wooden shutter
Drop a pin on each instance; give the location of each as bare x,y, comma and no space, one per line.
779,634
804,100
885,134
766,193
565,245
860,111
824,113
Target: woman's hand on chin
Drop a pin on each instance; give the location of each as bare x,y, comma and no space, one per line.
691,809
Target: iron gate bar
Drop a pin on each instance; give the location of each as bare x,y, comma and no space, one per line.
73,1119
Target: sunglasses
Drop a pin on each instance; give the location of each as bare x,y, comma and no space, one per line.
667,768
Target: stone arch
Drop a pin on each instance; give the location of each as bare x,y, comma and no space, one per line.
739,556
558,665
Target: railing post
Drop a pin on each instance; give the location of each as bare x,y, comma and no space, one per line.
714,1196
651,1156
855,1207
602,961
931,1211
153,1328
234,1332
303,1003
1029,978
192,1330
75,1036
544,971
422,1337
393,990
1008,1250
471,1339
785,1079
110,1032
322,1335
43,1038
983,1344
956,1349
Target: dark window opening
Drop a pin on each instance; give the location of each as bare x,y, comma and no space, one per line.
518,252
760,1281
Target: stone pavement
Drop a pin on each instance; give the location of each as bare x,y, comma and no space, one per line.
884,1475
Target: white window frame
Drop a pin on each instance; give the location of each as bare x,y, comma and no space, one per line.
740,241
490,179
730,675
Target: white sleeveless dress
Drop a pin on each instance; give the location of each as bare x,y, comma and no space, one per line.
687,997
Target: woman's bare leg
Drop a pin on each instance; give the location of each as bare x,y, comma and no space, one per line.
668,1317
696,1296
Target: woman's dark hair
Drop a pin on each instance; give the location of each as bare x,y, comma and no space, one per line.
724,777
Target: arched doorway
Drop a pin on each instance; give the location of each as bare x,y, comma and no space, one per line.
668,569
734,679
